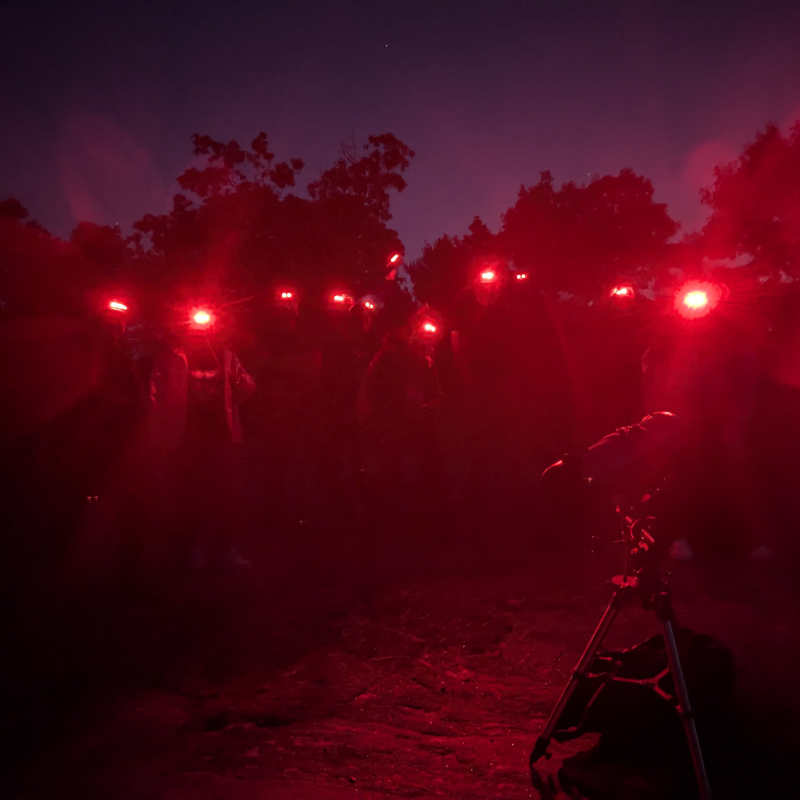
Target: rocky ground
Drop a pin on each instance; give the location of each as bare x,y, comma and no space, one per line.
428,681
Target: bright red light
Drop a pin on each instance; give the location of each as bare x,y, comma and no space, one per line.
697,299
115,305
395,258
429,327
622,291
369,305
521,276
340,300
488,276
286,295
202,318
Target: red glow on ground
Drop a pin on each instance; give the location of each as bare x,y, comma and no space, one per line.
115,305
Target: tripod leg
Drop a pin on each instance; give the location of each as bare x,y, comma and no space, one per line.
610,614
685,710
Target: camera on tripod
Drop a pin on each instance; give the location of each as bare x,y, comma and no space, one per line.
631,466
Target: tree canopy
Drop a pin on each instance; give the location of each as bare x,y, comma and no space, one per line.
755,204
580,237
445,267
38,272
576,238
238,225
236,221
242,222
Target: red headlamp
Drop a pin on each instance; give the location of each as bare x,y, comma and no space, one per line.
697,299
623,292
201,318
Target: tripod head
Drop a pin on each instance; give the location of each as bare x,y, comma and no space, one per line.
642,555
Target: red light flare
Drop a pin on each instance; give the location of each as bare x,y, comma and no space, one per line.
488,276
521,276
429,327
116,305
340,300
394,258
201,318
697,299
368,305
286,297
622,291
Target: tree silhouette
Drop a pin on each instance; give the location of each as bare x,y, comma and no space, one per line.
236,223
104,248
11,210
367,180
755,204
581,237
446,267
39,272
577,239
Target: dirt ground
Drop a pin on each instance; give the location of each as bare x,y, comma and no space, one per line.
432,679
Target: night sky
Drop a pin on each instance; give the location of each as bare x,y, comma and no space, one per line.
100,98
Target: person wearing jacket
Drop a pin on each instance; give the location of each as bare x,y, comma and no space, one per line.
196,390
396,407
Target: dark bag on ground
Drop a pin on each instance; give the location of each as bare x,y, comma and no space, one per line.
639,720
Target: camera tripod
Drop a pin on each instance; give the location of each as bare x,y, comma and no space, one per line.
648,587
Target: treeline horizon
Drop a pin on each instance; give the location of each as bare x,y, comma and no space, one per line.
237,227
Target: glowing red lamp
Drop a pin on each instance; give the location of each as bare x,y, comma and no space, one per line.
116,305
488,276
395,257
697,299
201,318
622,291
369,305
521,276
340,300
286,297
429,327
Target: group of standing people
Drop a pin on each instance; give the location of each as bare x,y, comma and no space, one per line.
340,419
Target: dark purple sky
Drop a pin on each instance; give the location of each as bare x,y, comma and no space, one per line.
99,98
